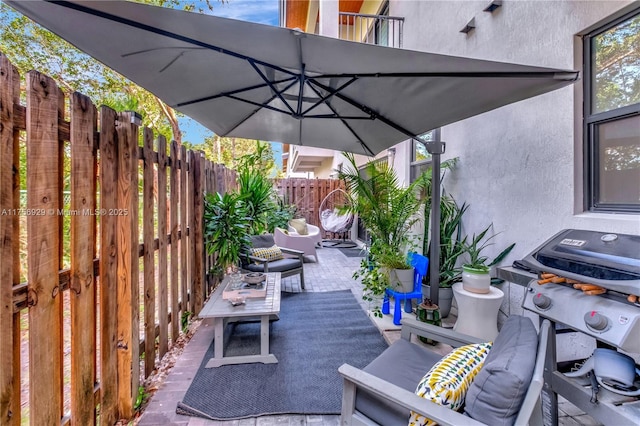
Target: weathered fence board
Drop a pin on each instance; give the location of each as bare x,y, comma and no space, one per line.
198,226
184,245
104,292
83,251
173,223
45,312
149,267
191,235
8,392
127,249
108,268
15,405
163,305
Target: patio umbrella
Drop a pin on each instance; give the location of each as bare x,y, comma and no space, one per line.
256,81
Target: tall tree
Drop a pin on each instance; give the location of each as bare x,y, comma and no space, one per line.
30,46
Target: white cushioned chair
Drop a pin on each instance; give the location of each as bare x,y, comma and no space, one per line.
506,390
313,233
295,241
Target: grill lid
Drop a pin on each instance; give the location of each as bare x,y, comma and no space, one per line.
609,260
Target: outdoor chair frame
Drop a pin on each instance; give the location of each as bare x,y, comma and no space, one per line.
355,379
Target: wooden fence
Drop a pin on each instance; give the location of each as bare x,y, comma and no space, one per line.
118,276
307,195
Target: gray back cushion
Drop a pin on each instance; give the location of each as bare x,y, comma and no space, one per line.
261,241
496,394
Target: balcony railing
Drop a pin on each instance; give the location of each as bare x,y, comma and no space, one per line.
383,30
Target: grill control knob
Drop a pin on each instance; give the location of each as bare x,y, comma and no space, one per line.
541,301
596,321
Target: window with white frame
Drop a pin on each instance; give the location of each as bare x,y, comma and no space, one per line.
612,116
420,158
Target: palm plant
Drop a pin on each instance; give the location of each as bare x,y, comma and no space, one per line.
388,211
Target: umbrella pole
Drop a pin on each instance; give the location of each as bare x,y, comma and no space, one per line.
435,148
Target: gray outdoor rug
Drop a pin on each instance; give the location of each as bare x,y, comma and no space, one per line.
317,332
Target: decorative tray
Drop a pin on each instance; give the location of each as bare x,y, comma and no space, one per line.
244,289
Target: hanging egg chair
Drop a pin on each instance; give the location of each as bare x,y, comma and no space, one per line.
332,220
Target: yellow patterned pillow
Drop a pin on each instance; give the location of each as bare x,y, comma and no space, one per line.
447,382
268,253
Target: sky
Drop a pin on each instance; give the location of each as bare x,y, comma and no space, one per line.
260,11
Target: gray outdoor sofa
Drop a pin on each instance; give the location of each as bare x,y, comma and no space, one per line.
505,391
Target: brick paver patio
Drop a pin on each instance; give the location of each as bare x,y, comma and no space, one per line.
332,273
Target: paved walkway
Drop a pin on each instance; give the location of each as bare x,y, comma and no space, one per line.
333,272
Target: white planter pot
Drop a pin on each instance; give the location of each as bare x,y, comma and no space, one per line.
401,280
476,280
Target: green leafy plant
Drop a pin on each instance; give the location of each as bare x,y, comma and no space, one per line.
387,209
280,216
475,247
226,227
374,282
184,320
140,398
451,241
256,189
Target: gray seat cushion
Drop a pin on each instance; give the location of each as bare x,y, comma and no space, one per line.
281,265
496,394
403,364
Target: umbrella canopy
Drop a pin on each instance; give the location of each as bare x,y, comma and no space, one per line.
261,82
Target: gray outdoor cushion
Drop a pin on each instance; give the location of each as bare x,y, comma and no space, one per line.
261,241
496,394
280,265
402,364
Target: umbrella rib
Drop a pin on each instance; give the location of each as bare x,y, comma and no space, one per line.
264,105
365,109
233,92
169,34
559,75
353,132
270,84
324,99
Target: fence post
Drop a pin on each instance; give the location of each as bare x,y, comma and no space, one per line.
9,384
148,255
127,249
108,268
198,236
45,298
83,251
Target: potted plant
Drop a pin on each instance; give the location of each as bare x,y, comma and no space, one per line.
226,228
475,272
451,249
388,211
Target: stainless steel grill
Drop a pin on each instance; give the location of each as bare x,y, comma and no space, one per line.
611,261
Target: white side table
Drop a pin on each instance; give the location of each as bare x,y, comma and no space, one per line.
477,313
